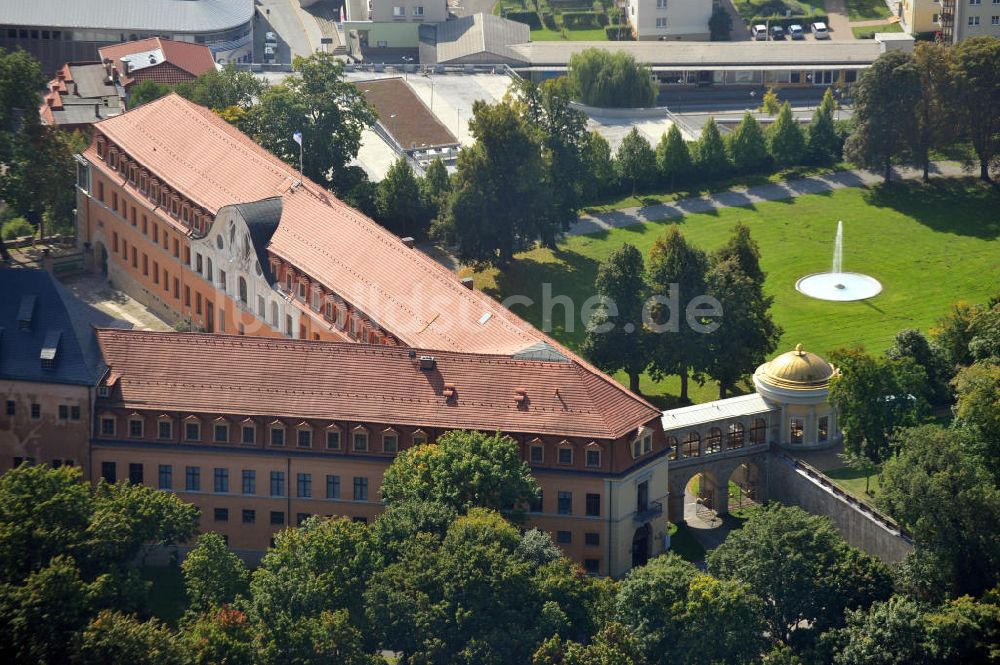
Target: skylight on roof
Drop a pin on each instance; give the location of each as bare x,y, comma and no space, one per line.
485,317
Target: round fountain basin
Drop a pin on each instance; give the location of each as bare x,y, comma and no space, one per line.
839,286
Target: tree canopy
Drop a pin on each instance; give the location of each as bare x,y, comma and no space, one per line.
606,79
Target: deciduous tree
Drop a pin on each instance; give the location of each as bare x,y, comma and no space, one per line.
976,78
885,97
603,78
497,204
213,575
673,159
747,145
461,470
936,127
114,638
398,202
635,161
874,397
788,143
616,336
711,158
800,566
676,276
938,488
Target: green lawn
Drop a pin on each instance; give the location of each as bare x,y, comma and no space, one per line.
167,598
853,481
685,545
928,245
868,32
867,10
753,180
546,35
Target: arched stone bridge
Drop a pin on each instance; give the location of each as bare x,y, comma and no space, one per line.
747,467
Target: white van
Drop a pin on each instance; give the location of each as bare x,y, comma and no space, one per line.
759,32
819,30
270,39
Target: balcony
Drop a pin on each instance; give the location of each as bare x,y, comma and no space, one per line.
652,510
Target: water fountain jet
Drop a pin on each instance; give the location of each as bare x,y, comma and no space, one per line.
839,285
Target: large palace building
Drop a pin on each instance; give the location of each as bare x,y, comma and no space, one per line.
338,345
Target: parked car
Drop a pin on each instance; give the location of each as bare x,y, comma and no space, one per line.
759,32
819,30
777,32
796,32
270,39
268,53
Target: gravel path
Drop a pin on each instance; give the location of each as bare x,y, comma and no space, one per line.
745,197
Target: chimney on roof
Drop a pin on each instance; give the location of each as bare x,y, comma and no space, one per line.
26,312
427,363
449,391
49,349
126,66
408,241
467,282
520,394
107,69
76,89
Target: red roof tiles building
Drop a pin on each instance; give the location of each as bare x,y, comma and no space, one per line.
211,231
157,59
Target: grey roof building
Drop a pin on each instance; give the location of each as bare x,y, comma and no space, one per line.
58,31
46,333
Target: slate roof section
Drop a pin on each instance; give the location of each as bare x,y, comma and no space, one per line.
57,318
194,16
262,218
255,376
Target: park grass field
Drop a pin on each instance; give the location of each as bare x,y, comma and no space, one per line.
929,245
588,35
867,10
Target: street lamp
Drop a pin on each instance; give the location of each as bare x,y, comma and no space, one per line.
753,100
406,61
429,78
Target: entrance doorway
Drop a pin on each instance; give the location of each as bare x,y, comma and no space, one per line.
101,257
641,542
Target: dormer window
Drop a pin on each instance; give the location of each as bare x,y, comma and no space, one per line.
390,441
536,452
192,429
593,455
304,435
101,150
143,183
360,439
333,438
419,437
565,454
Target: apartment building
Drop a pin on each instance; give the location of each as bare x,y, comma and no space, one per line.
669,19
953,20
392,23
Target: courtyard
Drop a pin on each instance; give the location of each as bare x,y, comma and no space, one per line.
929,245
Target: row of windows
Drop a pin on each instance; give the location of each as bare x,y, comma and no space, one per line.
248,481
564,454
564,504
310,292
65,411
158,193
277,517
221,433
974,20
735,438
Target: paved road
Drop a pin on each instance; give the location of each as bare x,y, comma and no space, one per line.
744,197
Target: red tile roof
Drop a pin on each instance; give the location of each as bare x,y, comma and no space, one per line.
196,152
257,376
195,59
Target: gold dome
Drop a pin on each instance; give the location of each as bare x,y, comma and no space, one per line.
797,370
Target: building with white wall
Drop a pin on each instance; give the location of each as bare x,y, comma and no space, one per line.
669,19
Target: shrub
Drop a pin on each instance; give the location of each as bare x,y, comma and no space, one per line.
619,33
616,80
580,20
17,228
528,18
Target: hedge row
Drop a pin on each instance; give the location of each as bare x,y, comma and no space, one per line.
528,18
581,20
612,31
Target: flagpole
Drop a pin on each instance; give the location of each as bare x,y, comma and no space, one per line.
300,162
